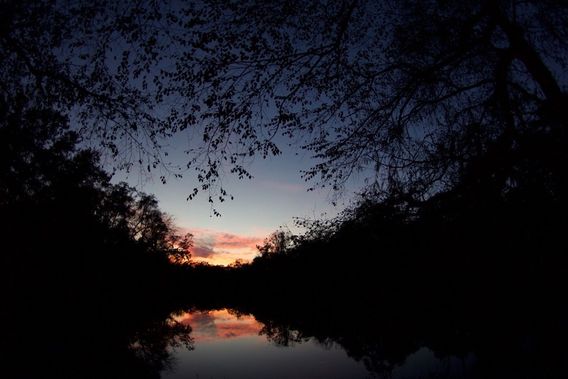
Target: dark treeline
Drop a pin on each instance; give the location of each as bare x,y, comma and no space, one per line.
458,110
87,267
479,269
497,236
387,281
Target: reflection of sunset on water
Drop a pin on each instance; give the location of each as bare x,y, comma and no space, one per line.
231,346
219,325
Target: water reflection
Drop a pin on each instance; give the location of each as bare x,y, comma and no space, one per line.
64,343
299,342
219,324
232,344
152,344
229,344
425,364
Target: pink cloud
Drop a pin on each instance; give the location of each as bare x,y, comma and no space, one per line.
233,241
223,248
202,251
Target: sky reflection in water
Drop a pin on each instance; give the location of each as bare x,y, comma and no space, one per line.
220,325
227,346
231,346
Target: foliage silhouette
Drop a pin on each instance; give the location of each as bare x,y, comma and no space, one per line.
409,94
411,91
383,338
82,254
479,268
456,113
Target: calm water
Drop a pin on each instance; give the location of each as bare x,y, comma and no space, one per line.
228,345
284,342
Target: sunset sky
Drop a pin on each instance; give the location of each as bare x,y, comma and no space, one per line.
272,199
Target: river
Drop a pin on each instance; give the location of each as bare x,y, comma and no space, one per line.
226,344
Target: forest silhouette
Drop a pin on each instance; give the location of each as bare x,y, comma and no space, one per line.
458,243
389,273
79,255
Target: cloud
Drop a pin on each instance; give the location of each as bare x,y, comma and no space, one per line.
233,241
202,251
223,248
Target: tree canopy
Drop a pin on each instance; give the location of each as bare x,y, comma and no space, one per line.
51,187
412,94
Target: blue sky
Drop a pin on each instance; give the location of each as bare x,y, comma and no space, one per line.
272,199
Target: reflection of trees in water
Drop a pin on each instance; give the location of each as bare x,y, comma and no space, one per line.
281,334
379,354
152,345
365,349
90,259
69,344
424,345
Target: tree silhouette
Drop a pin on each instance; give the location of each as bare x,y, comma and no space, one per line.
408,93
55,198
74,243
415,92
94,61
279,242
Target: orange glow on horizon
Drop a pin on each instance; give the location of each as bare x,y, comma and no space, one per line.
222,260
222,249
